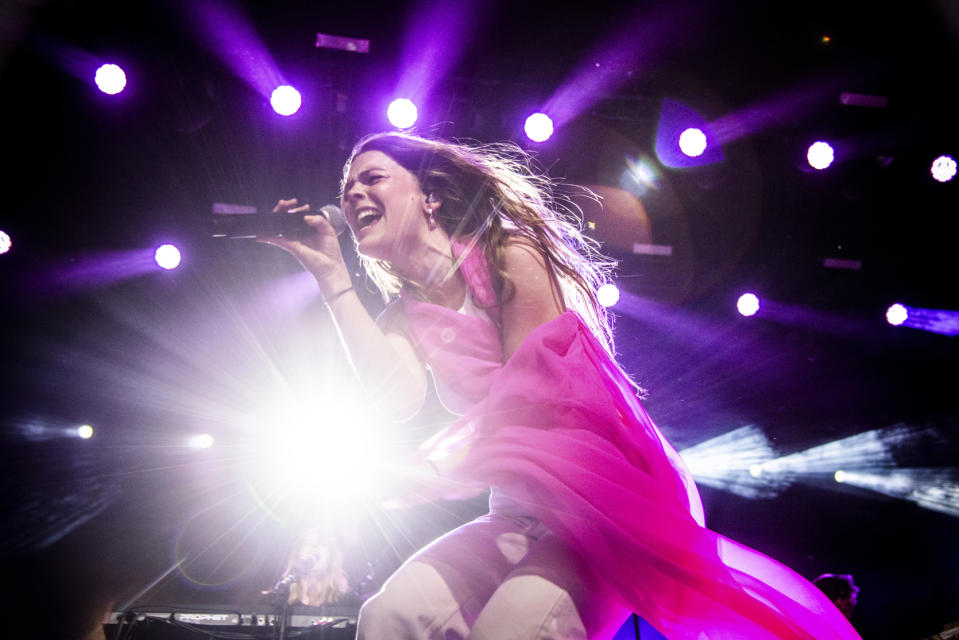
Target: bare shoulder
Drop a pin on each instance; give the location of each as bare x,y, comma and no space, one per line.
536,295
521,254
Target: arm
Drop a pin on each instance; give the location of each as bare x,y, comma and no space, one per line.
382,354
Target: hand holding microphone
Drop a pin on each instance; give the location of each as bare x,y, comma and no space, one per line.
289,219
311,238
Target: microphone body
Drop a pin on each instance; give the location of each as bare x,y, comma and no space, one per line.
257,225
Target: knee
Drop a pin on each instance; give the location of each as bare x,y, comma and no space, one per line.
384,616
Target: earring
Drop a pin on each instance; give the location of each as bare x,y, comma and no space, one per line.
430,221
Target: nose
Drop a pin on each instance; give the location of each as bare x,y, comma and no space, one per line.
354,194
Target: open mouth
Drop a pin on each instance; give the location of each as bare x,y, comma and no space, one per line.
367,218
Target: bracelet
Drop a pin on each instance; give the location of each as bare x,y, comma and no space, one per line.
337,295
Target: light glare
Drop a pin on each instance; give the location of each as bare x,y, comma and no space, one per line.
202,441
692,142
402,113
538,127
286,100
85,431
5,242
110,79
820,155
748,304
943,168
167,256
608,294
896,314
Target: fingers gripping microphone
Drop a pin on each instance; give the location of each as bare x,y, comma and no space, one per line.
258,225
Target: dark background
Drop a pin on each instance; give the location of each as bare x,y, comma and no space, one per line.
89,525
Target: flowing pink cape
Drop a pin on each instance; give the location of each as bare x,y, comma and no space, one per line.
559,429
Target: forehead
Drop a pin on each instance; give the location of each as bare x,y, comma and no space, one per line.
370,160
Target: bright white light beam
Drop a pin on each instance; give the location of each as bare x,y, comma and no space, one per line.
932,488
730,462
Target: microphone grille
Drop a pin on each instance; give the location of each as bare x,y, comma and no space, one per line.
334,216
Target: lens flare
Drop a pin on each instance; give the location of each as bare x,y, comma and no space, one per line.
286,100
538,127
402,113
85,431
110,79
201,441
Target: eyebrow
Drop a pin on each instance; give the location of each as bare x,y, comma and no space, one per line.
362,173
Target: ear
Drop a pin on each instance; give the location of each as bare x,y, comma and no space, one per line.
433,201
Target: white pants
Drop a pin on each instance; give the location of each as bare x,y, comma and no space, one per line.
496,578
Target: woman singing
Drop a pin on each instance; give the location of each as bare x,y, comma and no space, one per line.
592,513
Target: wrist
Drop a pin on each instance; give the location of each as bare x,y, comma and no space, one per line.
334,283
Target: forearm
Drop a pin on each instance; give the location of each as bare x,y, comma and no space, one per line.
384,363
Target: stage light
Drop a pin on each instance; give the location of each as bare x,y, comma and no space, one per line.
942,321
931,488
85,431
896,314
110,79
286,100
608,294
6,243
692,142
402,113
943,168
820,155
840,476
167,256
748,304
681,138
321,450
201,441
538,127
734,462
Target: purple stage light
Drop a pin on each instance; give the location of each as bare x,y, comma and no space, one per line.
286,100
748,304
5,242
945,322
167,256
682,137
538,127
896,314
608,294
110,79
692,142
943,168
402,113
820,155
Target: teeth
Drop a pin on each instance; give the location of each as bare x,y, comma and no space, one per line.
366,217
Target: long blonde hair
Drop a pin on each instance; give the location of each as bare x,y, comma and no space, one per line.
494,192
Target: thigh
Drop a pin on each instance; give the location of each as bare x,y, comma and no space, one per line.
439,592
550,595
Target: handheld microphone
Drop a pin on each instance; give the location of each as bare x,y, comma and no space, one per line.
287,224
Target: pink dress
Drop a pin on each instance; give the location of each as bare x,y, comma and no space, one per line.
559,429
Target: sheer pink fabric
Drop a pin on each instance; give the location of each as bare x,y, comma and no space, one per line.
559,429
